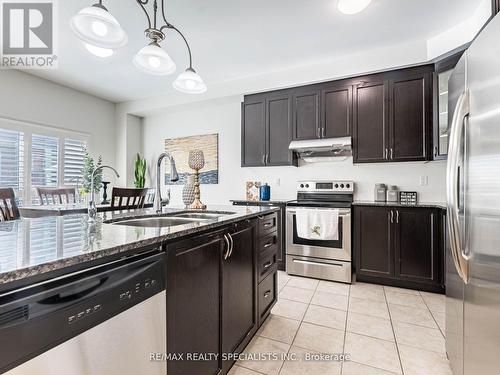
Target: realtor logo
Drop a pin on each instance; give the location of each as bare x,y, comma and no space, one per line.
28,35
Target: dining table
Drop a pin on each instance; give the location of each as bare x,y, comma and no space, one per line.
34,211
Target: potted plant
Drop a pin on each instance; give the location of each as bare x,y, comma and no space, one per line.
140,172
89,165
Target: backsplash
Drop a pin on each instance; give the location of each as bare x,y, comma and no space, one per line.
223,117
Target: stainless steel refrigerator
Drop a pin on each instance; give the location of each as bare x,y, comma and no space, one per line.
473,214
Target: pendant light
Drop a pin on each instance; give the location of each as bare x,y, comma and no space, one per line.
98,51
96,26
102,34
189,82
153,59
352,6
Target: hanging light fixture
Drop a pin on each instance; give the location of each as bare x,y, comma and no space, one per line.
98,51
352,6
102,33
95,26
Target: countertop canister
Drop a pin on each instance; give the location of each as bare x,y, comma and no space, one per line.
380,192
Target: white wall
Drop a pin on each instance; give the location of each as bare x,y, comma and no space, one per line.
223,116
25,97
460,34
134,142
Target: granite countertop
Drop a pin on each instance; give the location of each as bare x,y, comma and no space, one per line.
262,203
37,246
440,205
64,209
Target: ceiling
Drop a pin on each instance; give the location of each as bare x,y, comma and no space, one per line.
233,39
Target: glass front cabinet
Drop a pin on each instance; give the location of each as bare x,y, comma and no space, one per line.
443,71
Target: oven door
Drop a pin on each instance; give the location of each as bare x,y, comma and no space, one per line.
335,250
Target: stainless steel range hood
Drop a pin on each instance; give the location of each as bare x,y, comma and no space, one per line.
319,150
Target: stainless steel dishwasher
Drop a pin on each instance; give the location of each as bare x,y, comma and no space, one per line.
104,321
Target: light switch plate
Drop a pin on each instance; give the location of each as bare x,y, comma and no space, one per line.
424,180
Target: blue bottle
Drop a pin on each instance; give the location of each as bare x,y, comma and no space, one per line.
265,192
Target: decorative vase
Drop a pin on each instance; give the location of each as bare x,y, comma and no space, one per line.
105,192
196,161
188,192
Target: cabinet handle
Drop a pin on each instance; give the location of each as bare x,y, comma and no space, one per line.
323,132
397,216
267,294
392,154
232,245
392,217
386,154
228,247
267,159
264,159
269,244
268,264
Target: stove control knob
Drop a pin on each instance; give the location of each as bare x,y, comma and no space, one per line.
307,186
336,186
341,186
301,186
348,186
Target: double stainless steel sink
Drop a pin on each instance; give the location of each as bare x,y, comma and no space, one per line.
171,219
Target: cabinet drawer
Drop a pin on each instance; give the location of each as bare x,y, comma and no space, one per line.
267,263
267,295
267,224
267,243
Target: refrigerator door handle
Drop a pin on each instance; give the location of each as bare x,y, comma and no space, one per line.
452,196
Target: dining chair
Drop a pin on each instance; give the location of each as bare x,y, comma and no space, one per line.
8,205
50,196
150,196
128,198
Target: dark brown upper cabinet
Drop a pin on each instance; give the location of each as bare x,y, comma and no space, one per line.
266,130
323,111
495,7
389,115
393,116
371,122
306,119
253,132
410,123
336,113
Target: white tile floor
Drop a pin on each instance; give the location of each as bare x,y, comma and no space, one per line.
385,330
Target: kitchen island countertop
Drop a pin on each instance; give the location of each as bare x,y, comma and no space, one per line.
36,249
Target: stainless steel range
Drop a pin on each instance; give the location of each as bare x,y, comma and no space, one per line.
322,259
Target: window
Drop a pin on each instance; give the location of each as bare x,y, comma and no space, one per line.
33,156
44,161
12,160
74,152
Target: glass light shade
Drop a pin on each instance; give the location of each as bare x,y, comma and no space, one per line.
98,51
190,82
352,6
96,26
153,59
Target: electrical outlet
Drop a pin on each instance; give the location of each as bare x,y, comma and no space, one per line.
424,180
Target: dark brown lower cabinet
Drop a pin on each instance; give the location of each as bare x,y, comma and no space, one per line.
399,246
213,296
373,234
193,303
239,307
